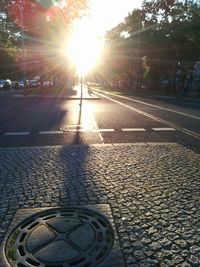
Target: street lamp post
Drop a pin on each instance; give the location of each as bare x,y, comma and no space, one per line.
138,55
21,7
174,81
81,90
81,85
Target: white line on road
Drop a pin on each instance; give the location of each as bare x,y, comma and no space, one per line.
151,105
17,133
104,130
133,129
164,129
76,130
184,130
50,132
89,130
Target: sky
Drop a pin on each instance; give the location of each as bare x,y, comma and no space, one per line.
105,14
87,39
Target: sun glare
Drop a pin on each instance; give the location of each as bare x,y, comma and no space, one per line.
84,47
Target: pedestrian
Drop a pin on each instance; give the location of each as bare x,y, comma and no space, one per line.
187,85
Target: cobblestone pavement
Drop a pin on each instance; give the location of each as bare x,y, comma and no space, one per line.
153,192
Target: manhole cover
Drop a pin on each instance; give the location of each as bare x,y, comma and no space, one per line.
60,238
73,128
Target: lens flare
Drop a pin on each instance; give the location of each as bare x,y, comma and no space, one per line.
84,47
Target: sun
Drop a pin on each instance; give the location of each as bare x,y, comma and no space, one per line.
84,47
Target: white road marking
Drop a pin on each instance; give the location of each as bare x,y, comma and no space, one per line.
105,130
133,129
163,129
76,130
184,130
73,125
151,105
97,130
87,119
50,132
17,133
91,131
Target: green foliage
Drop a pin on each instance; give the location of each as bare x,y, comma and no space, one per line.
12,253
36,25
163,32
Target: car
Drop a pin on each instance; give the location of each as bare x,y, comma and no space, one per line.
15,85
47,83
21,84
33,83
7,84
1,84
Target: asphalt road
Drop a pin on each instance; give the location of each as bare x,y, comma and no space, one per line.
44,121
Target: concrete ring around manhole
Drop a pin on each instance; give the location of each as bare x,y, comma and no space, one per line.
70,237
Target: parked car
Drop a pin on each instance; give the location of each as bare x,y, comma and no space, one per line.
21,84
15,85
33,83
47,83
1,84
7,85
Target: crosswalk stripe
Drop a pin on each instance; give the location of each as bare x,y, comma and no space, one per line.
50,132
164,129
17,133
103,130
90,130
133,129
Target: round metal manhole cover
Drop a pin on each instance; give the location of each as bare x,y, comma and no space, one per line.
72,128
71,237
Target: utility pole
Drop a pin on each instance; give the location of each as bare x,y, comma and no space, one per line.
81,85
21,7
138,48
81,90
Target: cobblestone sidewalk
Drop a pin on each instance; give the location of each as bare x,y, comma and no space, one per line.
153,192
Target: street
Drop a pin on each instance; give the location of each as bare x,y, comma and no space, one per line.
139,156
99,133
42,121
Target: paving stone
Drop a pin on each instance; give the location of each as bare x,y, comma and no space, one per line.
153,191
137,245
139,254
176,259
194,260
172,236
155,246
195,250
185,254
184,264
181,243
148,251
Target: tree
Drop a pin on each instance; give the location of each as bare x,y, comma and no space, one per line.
39,30
8,44
164,33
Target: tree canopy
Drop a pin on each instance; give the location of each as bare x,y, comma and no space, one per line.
160,34
38,26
